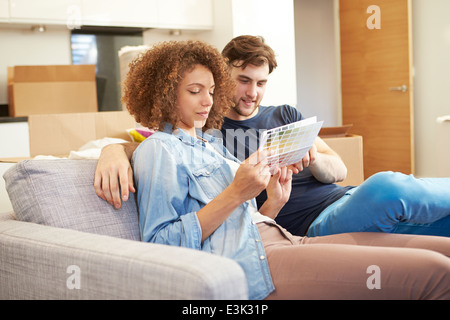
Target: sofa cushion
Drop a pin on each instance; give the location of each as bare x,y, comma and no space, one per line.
61,193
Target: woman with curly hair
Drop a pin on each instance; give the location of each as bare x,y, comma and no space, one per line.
192,192
151,85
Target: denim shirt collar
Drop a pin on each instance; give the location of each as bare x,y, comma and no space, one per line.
187,138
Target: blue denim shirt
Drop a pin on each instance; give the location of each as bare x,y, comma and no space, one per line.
176,175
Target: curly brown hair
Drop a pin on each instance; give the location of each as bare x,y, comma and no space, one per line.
150,89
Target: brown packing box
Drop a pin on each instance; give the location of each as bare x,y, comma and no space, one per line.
51,89
350,149
58,134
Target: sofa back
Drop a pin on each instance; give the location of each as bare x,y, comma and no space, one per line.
61,193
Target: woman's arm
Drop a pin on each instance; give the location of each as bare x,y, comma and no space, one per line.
251,178
163,188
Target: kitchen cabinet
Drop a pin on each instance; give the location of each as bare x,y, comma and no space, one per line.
58,12
162,14
186,14
130,13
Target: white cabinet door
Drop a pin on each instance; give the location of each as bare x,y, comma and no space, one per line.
164,14
129,13
185,14
43,11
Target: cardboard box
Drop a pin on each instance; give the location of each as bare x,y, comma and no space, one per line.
350,149
58,134
51,89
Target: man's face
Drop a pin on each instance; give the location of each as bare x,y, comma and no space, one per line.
250,87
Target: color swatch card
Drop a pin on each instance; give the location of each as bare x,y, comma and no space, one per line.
290,143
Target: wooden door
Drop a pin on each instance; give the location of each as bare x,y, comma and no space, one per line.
376,64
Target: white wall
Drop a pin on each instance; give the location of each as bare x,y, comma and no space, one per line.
431,56
274,20
318,60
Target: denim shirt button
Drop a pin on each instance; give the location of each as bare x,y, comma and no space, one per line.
262,258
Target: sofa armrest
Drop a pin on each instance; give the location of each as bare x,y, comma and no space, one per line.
43,262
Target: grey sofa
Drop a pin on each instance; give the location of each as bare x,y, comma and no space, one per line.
64,242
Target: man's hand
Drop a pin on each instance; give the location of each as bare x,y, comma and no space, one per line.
114,176
308,160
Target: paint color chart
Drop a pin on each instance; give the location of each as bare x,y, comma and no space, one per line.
290,143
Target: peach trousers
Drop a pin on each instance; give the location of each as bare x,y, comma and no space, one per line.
356,265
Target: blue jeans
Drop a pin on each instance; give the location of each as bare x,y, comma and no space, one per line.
389,202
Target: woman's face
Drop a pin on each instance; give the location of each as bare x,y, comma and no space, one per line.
195,98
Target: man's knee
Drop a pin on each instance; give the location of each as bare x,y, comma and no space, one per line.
387,186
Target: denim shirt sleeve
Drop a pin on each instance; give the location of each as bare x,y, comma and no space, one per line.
162,189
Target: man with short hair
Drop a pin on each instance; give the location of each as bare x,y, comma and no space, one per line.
386,202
